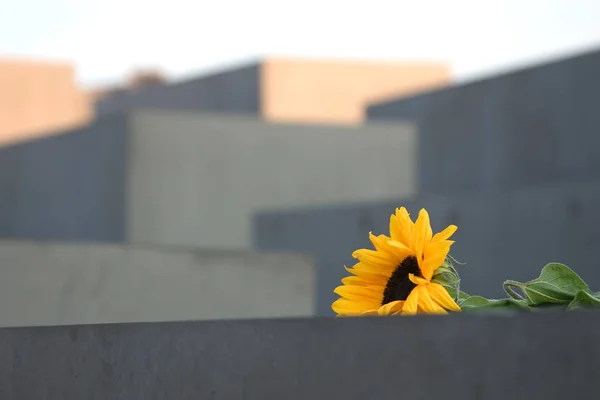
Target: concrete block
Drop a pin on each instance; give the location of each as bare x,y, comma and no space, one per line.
57,283
534,126
67,186
544,356
195,180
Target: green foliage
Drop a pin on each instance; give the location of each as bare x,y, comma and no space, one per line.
481,303
557,284
584,300
557,288
447,276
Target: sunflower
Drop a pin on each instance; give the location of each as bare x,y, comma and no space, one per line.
396,277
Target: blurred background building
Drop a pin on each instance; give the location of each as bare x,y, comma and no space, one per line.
242,191
287,90
38,97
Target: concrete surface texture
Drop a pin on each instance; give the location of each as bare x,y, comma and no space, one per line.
68,186
505,235
38,98
58,283
196,180
337,91
188,179
471,357
533,126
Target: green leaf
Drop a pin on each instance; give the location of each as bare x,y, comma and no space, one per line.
463,296
473,302
478,303
509,303
557,284
584,300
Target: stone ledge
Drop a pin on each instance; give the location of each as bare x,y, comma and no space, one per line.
464,357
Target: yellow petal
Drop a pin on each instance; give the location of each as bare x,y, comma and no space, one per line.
441,296
363,266
405,226
445,234
394,228
421,231
359,293
428,231
411,303
371,275
391,307
417,280
379,241
434,257
347,307
401,250
426,303
375,258
373,311
438,247
382,244
355,281
400,246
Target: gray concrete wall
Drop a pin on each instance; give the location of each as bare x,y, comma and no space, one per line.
534,126
510,234
57,283
189,179
235,90
68,186
196,180
539,356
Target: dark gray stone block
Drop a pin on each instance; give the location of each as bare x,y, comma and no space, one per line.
235,90
503,235
68,186
533,126
544,356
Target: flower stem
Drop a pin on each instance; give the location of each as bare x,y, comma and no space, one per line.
508,288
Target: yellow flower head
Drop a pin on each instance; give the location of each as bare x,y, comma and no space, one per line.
395,278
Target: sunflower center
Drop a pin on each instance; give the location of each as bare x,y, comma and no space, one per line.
399,285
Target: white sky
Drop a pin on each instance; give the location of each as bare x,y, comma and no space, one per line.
107,39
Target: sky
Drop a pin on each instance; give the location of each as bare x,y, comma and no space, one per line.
108,39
